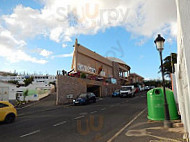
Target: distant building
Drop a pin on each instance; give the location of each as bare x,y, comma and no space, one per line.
135,78
10,92
37,78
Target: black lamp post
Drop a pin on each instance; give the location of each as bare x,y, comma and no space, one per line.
159,41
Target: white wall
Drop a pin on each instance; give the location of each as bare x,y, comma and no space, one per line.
10,89
183,61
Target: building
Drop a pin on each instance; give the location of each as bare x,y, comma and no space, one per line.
10,92
134,78
93,64
91,72
36,78
182,74
7,91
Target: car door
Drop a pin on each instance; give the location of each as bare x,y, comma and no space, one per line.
3,111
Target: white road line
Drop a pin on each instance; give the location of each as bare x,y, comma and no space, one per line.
60,123
103,108
93,112
120,131
34,132
79,117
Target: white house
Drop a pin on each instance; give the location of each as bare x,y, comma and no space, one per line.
7,91
183,62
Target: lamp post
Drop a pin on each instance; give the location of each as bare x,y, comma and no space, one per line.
159,41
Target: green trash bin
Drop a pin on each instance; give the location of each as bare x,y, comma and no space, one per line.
155,104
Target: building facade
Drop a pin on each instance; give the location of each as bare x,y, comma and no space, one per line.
134,78
182,74
91,72
7,91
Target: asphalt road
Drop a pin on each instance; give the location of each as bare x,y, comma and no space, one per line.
90,123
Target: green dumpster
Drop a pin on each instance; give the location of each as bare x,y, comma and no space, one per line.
155,104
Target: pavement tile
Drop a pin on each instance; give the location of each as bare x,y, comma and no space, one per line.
143,130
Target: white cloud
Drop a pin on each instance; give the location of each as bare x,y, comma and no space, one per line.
63,55
64,45
12,49
61,20
45,53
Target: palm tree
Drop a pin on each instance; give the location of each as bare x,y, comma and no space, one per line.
168,64
25,94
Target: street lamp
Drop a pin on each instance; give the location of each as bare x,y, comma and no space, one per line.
159,41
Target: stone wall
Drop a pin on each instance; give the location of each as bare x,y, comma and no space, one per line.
115,67
71,85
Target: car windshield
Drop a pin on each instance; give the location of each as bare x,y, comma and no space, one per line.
83,95
126,88
116,90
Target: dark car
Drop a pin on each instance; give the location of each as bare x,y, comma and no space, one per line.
85,98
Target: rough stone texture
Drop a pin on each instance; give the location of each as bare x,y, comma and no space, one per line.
116,71
71,85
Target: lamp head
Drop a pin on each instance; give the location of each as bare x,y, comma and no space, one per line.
159,41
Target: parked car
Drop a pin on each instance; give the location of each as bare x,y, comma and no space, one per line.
7,112
152,87
127,91
141,88
85,98
146,88
116,93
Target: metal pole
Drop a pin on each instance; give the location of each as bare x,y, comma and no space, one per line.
172,63
167,122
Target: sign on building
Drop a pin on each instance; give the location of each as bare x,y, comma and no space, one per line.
85,68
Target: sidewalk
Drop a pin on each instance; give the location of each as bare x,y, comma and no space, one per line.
143,130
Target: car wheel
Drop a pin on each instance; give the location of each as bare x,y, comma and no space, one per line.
94,101
10,118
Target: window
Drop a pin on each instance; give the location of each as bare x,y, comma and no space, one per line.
3,105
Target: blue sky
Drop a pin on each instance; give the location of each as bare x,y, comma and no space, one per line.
38,36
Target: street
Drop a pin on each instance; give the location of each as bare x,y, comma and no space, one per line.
89,123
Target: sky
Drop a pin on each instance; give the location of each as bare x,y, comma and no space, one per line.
37,36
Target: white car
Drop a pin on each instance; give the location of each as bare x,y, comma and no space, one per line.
146,88
127,91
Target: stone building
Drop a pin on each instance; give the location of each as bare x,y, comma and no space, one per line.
91,72
135,78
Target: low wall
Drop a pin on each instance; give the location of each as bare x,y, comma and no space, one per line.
71,85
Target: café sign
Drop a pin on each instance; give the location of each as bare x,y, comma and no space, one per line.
85,68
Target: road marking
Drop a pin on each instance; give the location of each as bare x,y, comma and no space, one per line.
103,108
34,132
121,130
79,117
93,112
60,123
